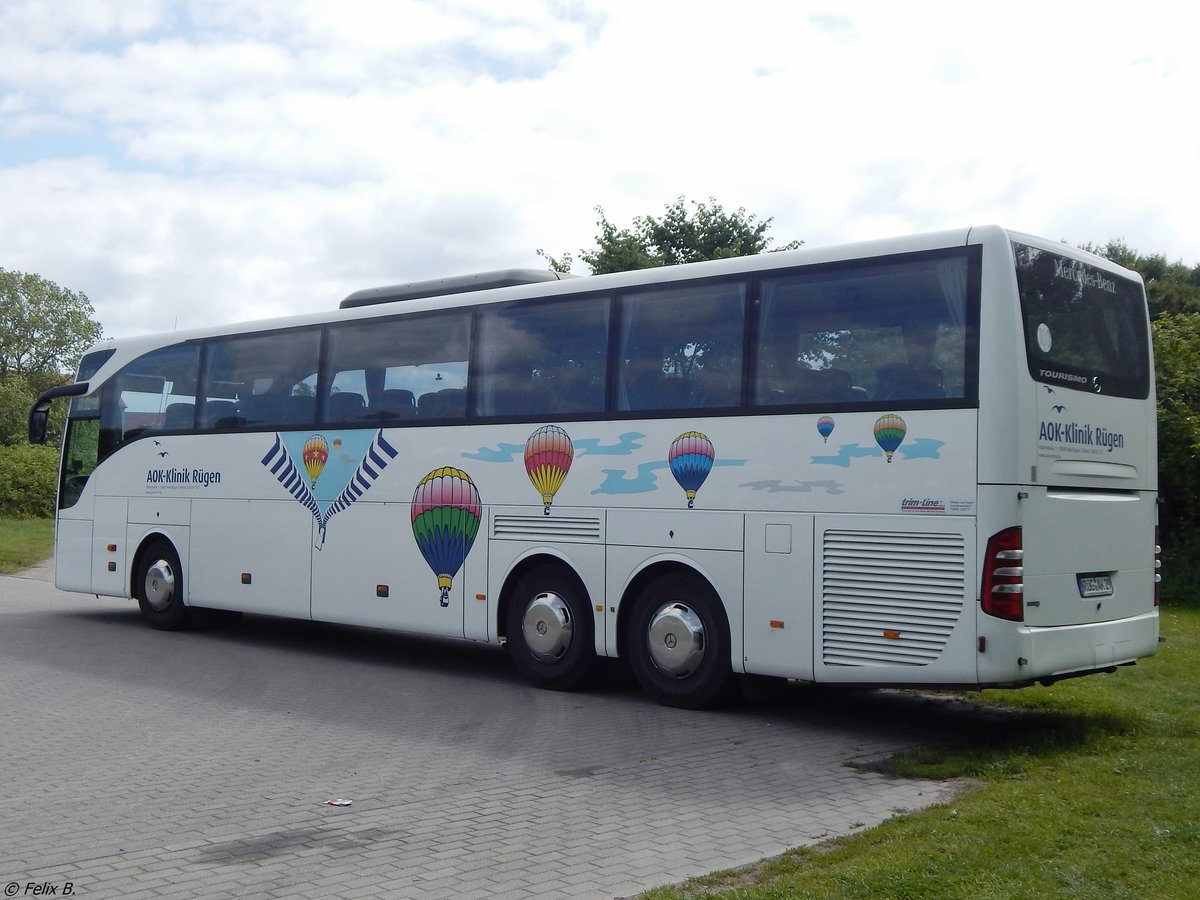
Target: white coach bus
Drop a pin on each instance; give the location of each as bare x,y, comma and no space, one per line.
922,461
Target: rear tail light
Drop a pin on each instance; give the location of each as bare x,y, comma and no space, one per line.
1002,593
1157,566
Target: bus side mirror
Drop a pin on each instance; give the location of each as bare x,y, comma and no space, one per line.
39,412
38,417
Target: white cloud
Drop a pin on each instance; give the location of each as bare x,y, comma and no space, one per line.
237,159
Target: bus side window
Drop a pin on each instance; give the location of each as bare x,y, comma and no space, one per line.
262,380
394,370
156,392
681,347
863,331
543,359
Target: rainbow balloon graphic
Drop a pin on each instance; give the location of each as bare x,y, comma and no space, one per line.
316,454
548,456
446,511
691,459
889,433
825,427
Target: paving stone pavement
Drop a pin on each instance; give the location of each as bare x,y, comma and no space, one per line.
143,764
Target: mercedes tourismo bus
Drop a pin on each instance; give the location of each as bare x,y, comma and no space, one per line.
927,461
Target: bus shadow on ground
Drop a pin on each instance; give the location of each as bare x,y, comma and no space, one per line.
958,733
963,734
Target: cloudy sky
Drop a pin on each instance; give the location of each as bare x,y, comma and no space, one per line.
196,162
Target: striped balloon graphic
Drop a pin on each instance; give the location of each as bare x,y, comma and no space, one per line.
825,427
446,511
316,454
691,459
548,456
889,433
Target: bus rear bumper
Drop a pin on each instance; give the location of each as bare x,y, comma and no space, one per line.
1062,651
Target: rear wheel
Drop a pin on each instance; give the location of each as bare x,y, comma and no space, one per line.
550,630
158,584
678,642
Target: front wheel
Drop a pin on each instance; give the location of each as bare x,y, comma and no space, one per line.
678,642
158,585
550,630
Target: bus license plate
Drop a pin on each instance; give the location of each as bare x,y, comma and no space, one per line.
1095,585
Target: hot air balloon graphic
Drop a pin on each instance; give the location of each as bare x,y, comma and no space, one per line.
825,427
316,454
548,455
445,519
691,459
889,433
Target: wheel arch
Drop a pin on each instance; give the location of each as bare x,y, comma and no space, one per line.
143,546
525,564
653,570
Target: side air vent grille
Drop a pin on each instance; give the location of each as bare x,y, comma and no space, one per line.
546,528
889,599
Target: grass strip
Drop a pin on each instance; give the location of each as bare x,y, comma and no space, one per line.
1088,788
24,542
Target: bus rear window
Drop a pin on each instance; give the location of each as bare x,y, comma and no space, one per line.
1085,328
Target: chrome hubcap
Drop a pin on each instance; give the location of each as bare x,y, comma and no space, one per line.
676,640
548,627
160,584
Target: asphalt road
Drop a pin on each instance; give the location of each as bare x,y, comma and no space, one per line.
138,763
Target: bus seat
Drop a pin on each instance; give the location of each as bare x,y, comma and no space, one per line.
298,409
449,403
346,407
220,414
180,417
395,403
258,410
831,386
574,392
899,381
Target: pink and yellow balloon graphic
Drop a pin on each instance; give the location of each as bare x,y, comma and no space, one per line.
691,459
316,454
548,456
889,433
446,511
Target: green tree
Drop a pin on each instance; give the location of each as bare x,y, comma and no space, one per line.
44,329
1170,287
688,231
1177,362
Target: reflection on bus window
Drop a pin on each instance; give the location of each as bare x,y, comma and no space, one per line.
154,393
871,331
262,380
546,359
399,369
681,347
80,454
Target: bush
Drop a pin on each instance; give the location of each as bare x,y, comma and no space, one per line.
28,479
1177,359
1181,568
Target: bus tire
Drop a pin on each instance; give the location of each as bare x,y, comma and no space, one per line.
158,585
550,630
678,642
